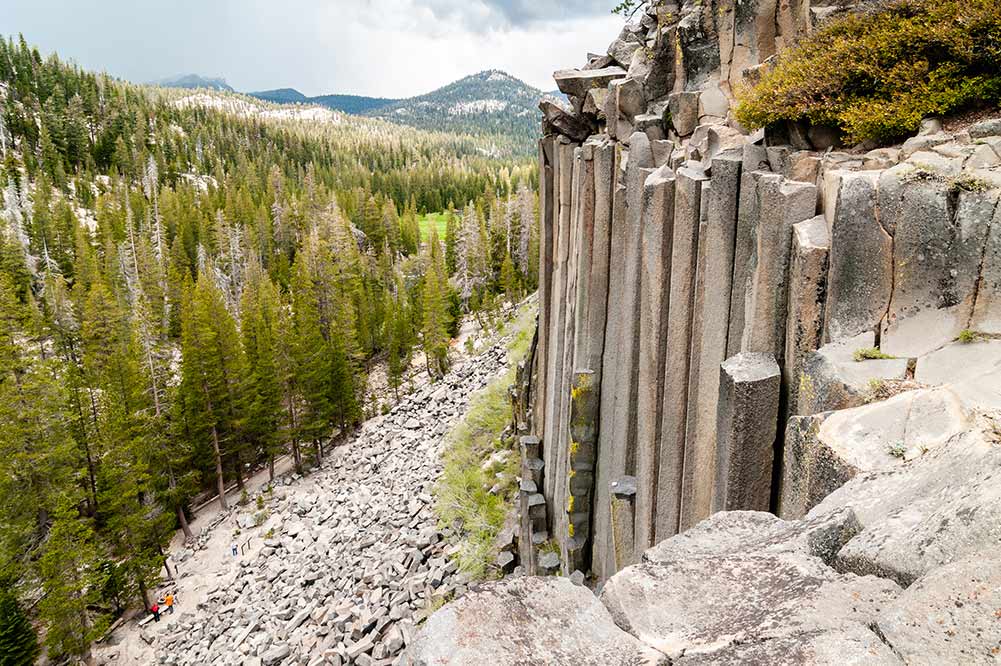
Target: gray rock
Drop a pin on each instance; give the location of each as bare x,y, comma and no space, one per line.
577,82
917,517
860,278
684,108
831,378
949,615
722,592
986,128
853,644
518,620
563,122
276,654
747,417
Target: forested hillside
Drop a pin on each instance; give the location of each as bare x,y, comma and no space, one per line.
187,292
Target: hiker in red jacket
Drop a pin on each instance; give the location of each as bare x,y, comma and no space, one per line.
155,610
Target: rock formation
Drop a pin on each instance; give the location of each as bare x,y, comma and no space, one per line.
750,323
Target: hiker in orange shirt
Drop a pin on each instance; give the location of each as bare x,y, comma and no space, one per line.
169,603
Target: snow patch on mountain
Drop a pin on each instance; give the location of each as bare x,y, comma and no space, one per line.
477,106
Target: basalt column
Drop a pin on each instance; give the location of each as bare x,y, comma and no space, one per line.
657,218
571,161
682,491
556,318
612,462
711,310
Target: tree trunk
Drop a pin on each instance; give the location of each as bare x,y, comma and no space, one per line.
271,469
144,593
166,565
182,520
297,456
221,484
238,468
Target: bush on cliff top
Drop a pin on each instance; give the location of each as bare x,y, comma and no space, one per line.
876,74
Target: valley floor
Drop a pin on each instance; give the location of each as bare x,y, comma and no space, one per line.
344,563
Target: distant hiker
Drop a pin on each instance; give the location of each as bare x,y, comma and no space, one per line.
155,610
233,547
169,603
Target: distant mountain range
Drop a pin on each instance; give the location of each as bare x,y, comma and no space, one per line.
356,104
194,81
491,102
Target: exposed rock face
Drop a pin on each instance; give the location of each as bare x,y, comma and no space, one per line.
810,333
898,566
711,243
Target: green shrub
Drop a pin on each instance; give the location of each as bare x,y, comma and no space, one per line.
966,336
869,354
876,74
18,644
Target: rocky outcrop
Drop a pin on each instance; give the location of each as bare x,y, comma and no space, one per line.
768,324
673,243
512,622
899,566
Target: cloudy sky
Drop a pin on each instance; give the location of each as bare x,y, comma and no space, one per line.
391,48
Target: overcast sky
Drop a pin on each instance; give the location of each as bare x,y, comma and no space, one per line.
389,48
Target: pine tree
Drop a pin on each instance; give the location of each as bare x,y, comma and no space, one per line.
259,328
434,308
18,643
212,372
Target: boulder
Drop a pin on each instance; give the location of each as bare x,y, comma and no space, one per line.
631,38
519,620
986,128
950,615
711,596
577,82
831,378
917,516
561,121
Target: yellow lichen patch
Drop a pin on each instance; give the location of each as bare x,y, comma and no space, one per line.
574,447
570,529
570,504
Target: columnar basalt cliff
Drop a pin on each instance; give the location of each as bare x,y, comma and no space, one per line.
736,326
691,271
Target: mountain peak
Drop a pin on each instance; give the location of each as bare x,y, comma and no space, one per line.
194,81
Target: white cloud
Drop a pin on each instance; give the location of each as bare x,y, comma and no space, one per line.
390,48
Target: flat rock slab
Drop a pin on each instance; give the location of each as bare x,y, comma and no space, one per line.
832,379
950,616
577,82
702,604
853,645
881,434
943,506
973,370
525,621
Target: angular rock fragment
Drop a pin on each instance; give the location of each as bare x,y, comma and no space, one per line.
521,620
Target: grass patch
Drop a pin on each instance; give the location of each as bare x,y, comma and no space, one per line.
522,330
464,500
432,220
870,354
966,336
876,74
